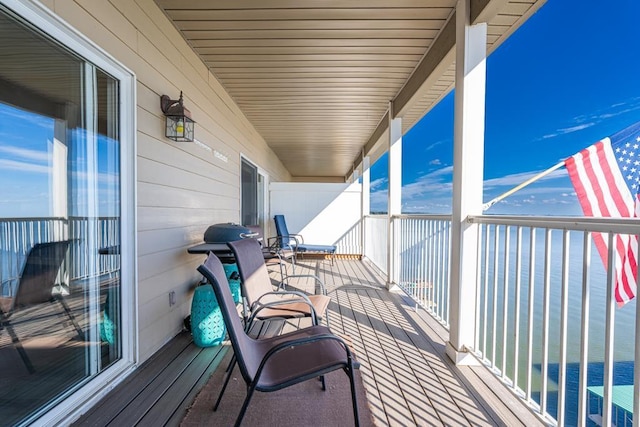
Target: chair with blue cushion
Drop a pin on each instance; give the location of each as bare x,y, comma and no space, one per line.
295,242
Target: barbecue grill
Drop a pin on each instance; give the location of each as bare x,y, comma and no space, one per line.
227,232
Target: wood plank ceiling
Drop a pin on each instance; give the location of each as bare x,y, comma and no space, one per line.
316,77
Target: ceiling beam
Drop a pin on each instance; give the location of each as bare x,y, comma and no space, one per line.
435,62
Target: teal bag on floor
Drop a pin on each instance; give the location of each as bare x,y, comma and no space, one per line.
207,325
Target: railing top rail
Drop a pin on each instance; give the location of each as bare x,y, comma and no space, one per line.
34,219
441,217
601,225
55,218
435,217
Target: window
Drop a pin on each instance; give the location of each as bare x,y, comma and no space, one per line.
249,176
61,225
253,195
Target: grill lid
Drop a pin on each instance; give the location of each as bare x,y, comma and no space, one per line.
226,232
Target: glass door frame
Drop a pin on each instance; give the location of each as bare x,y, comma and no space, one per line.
42,18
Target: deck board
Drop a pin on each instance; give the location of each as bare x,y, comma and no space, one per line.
188,384
160,390
407,375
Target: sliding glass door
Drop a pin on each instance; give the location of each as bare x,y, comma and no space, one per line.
60,221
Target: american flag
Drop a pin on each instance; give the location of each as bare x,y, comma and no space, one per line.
606,177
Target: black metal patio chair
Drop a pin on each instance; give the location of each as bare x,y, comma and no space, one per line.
35,286
263,302
272,364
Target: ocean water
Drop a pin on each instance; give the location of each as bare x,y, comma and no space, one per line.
501,346
595,375
495,287
10,264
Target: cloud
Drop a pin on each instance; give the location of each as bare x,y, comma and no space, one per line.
33,119
519,178
569,130
36,155
617,113
435,162
110,178
435,144
377,183
23,166
434,183
432,193
589,120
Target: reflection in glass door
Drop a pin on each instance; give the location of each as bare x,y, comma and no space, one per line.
60,216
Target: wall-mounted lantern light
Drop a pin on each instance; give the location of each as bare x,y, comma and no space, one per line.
179,125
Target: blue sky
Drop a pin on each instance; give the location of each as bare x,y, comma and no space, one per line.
567,78
26,161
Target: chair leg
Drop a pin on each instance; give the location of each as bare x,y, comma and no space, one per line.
245,405
232,363
326,317
226,382
71,317
350,373
284,279
18,345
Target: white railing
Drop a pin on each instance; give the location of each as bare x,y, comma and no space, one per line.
422,246
546,321
106,234
19,235
376,231
546,317
350,243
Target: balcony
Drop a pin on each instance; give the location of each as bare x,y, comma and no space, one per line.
312,92
546,334
408,378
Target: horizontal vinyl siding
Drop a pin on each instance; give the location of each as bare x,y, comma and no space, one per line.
182,187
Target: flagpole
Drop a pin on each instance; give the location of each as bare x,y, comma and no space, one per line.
521,186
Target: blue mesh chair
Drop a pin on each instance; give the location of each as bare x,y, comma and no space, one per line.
295,242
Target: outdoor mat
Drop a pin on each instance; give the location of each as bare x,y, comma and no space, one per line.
302,404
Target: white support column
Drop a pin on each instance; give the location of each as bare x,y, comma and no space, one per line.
355,176
395,190
468,160
366,201
366,186
59,176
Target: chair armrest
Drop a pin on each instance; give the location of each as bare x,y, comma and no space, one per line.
295,237
280,293
272,242
274,249
300,298
298,238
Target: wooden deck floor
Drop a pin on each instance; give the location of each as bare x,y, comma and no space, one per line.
408,378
